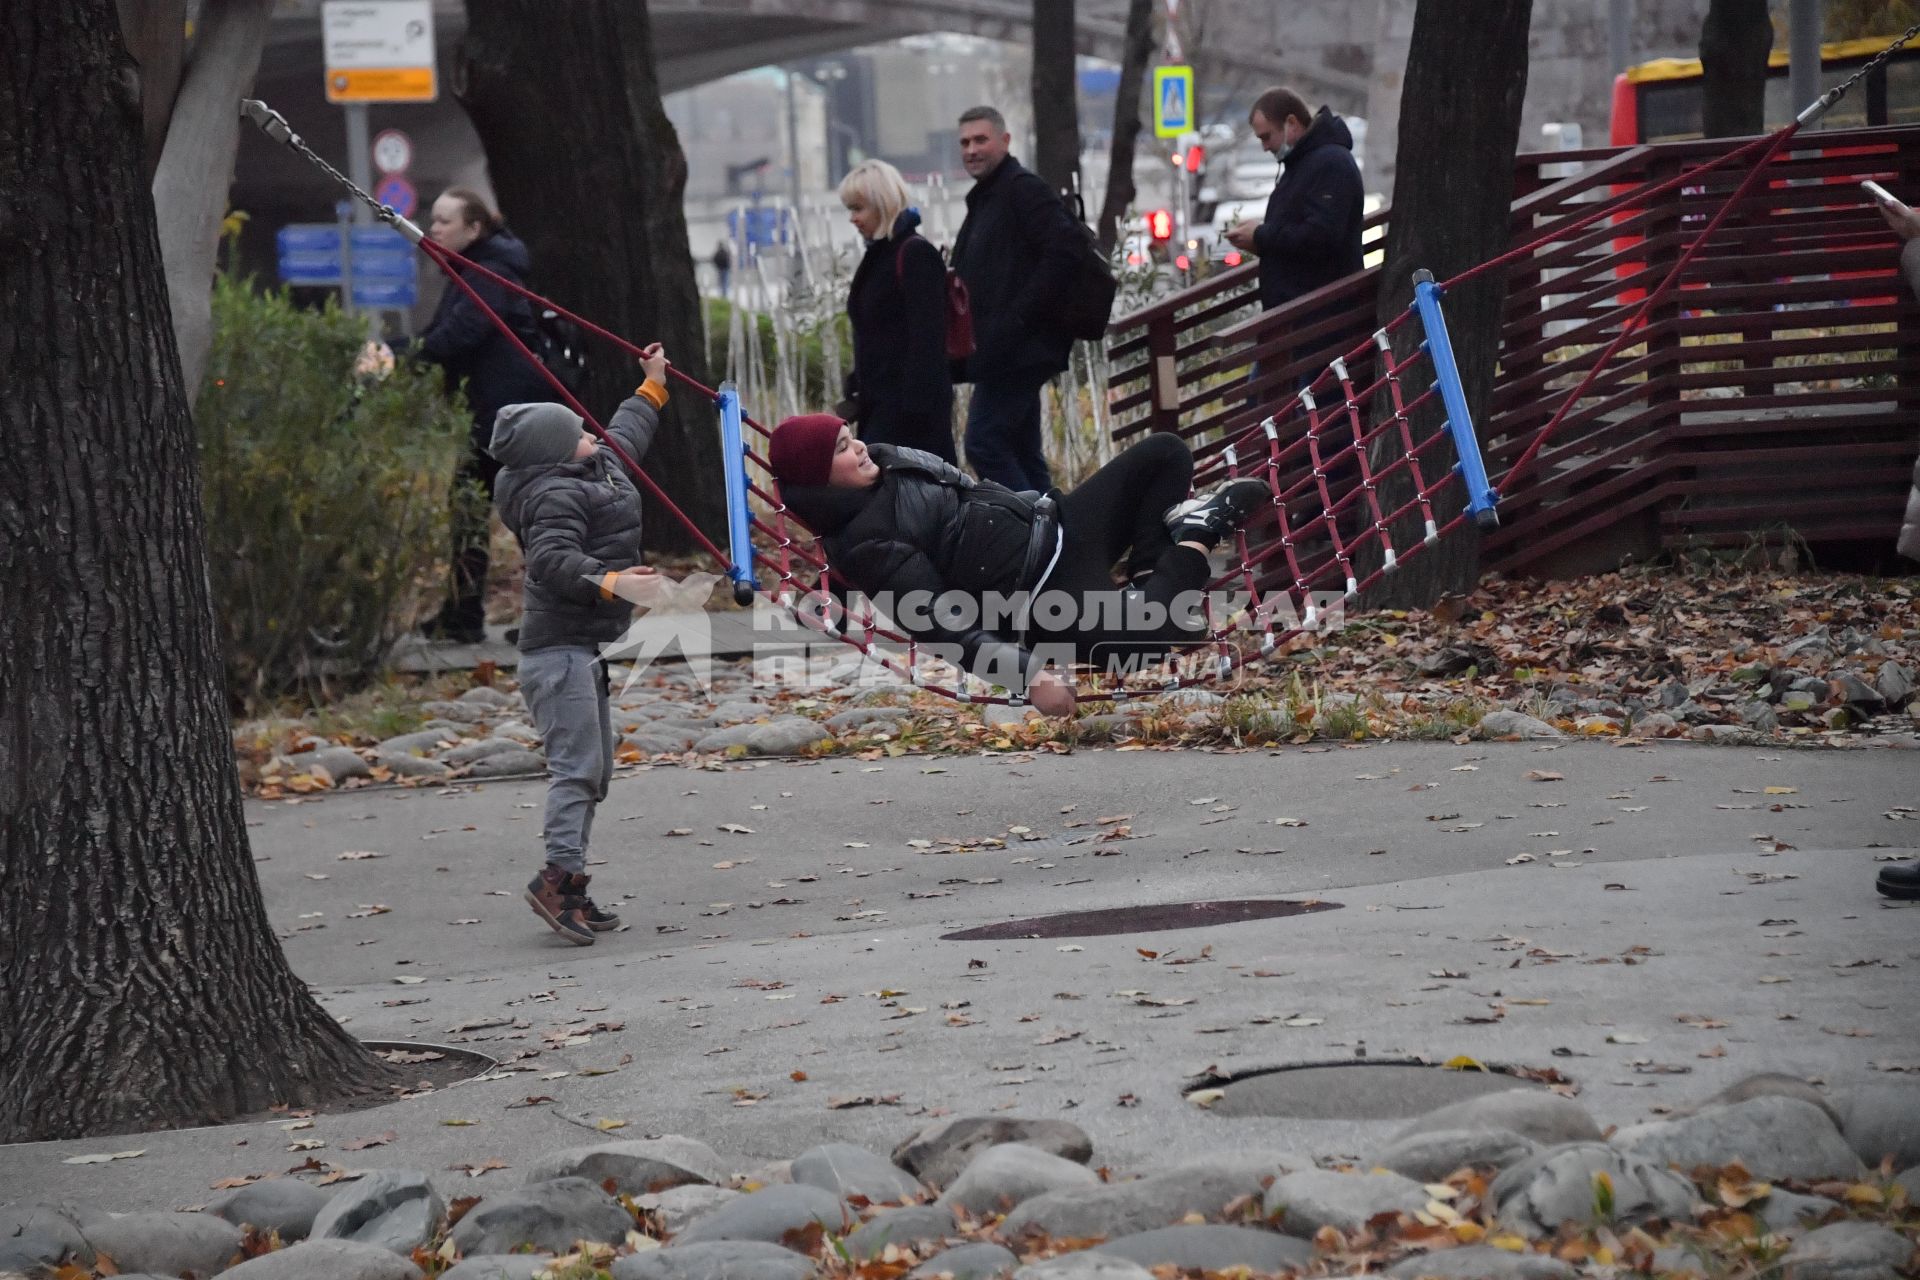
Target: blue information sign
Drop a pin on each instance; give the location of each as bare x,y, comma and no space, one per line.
384,267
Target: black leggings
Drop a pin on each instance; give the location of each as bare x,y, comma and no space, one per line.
1120,510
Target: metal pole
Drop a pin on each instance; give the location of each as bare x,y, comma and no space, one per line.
1619,34
1803,51
360,169
793,143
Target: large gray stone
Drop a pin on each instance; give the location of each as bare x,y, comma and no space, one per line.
1881,1121
486,698
981,1260
741,712
547,1215
1302,1203
1547,1118
41,1233
768,1215
1083,1266
1110,1209
938,1153
1381,1091
1515,724
1558,1185
497,1266
1784,1213
1773,1137
637,1166
340,763
661,741
417,743
1212,1247
1481,1262
860,717
848,1171
1003,1177
910,1227
508,764
469,752
1909,1182
725,739
676,1208
285,1205
406,766
396,1209
170,1244
1430,1157
1765,1084
1850,1251
719,1260
326,1260
458,712
786,735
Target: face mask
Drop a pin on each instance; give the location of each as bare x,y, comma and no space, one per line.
1286,149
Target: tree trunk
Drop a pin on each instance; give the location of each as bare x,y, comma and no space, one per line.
1735,39
141,985
589,172
196,169
1454,190
1126,120
1056,103
156,35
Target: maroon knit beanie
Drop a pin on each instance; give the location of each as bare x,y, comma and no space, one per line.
802,449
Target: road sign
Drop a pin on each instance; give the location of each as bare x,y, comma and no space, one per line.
390,295
392,151
379,50
395,190
385,270
1172,101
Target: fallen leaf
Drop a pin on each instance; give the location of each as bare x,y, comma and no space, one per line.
363,1144
105,1156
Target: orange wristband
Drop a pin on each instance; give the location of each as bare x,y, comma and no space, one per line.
654,393
606,586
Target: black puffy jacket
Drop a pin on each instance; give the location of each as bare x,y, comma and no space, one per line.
1016,251
578,521
1311,234
466,344
926,528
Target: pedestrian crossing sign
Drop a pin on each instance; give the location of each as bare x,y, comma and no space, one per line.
1172,101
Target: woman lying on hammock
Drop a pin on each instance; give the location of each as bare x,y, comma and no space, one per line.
1015,587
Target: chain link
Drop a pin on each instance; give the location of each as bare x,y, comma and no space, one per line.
1828,100
275,126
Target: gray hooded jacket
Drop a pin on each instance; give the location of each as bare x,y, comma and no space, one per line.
577,520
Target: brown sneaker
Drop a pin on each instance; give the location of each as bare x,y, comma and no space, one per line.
560,898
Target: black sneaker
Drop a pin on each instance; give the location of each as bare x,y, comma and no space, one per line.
444,626
598,918
560,898
1900,880
1211,519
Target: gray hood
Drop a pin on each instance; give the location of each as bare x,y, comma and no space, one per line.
534,435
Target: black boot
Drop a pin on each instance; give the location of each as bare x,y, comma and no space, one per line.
1900,880
1211,519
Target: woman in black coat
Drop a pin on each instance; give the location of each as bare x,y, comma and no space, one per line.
471,350
1009,582
900,384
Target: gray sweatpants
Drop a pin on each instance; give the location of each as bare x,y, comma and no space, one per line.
566,690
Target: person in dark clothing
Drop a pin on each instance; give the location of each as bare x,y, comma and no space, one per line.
467,346
1015,251
900,384
723,265
1311,234
1007,583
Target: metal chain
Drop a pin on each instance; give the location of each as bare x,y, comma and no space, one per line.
275,126
1826,101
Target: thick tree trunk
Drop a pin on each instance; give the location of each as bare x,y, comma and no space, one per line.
1056,103
140,983
589,172
1126,120
1735,39
196,169
1452,197
156,35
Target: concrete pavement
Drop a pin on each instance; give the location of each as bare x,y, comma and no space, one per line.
1676,926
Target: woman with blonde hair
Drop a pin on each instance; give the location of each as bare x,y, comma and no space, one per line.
900,387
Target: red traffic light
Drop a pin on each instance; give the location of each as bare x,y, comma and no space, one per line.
1196,157
1233,257
1160,224
1183,262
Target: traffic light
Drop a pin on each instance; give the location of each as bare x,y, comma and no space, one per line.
1160,224
1196,158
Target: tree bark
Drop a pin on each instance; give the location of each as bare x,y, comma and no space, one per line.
1126,120
156,35
141,985
1453,192
1056,103
196,169
589,172
1735,39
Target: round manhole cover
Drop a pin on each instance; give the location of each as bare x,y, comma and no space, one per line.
1359,1090
1152,919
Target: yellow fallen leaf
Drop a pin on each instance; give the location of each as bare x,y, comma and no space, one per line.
1862,1193
1509,1241
1782,791
607,1126
1206,1097
1468,1232
1461,1062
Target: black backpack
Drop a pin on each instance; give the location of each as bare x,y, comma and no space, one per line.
1086,304
561,347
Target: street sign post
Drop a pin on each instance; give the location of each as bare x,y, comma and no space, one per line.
394,190
1173,107
377,267
379,50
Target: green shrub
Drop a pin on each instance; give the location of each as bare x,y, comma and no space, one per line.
326,494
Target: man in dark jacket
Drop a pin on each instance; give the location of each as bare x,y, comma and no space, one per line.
1311,234
1015,251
